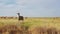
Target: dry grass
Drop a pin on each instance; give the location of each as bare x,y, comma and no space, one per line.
33,23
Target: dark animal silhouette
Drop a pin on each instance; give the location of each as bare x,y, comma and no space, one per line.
20,17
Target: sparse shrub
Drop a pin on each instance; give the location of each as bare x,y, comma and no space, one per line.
39,30
52,31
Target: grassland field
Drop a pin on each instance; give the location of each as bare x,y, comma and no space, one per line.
33,22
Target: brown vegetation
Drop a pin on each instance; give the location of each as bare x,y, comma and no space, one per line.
13,29
17,29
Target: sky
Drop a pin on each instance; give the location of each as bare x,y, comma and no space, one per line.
30,8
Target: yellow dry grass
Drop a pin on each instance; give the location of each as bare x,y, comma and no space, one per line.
33,22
